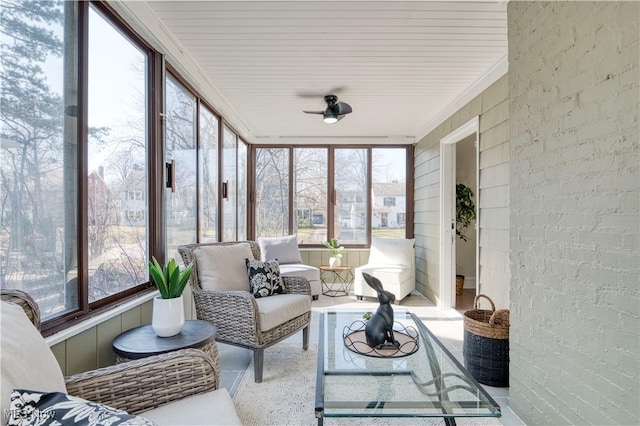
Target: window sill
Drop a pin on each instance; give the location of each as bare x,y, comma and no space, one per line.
98,319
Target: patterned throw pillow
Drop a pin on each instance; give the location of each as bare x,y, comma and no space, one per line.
264,277
57,408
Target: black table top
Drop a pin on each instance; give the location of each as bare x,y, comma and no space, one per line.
142,341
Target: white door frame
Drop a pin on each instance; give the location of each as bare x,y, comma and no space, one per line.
447,210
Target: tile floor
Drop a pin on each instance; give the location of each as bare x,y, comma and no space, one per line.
446,325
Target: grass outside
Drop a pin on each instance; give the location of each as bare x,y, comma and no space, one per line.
317,235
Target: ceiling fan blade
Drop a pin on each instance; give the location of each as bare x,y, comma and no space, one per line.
313,112
319,94
341,108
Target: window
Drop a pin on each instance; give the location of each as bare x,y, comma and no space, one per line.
180,147
350,175
38,158
242,191
208,165
389,192
82,182
229,181
116,153
132,195
347,193
234,184
134,216
272,192
310,171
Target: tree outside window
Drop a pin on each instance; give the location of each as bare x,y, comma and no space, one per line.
116,160
310,192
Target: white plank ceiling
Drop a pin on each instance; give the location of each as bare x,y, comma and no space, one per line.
397,63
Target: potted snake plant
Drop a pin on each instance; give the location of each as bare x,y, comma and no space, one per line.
168,308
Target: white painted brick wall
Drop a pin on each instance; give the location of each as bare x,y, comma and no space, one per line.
575,221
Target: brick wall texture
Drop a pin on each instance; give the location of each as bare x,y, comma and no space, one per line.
575,257
492,106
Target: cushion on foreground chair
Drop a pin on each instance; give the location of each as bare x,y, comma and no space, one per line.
286,250
392,261
222,294
145,387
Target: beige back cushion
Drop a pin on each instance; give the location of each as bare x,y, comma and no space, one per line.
391,251
285,249
222,267
26,362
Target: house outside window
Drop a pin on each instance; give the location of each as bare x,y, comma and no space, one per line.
389,192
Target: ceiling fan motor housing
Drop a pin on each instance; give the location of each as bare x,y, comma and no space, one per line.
330,100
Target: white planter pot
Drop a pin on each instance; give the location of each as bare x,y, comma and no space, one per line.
168,316
334,262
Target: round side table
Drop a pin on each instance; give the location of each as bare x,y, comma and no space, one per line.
336,281
142,342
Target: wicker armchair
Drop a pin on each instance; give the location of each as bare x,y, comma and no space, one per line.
236,314
140,385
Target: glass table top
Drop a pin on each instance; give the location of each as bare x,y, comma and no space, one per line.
429,382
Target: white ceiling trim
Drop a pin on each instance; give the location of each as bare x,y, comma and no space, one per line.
335,140
500,68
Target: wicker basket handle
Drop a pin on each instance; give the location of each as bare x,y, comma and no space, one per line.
475,303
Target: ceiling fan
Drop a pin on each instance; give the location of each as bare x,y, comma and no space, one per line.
335,110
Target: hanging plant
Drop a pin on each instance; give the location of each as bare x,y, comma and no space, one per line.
465,209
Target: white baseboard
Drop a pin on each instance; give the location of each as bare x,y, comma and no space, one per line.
470,282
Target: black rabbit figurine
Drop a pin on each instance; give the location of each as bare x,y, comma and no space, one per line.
379,328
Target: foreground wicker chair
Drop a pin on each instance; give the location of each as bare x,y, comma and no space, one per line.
140,385
236,314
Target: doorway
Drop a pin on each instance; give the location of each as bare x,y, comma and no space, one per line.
459,163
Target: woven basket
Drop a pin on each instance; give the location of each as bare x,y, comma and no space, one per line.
459,284
486,344
487,323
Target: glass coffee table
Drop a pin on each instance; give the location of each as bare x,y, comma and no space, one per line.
429,382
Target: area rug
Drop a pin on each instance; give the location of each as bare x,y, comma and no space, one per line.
286,396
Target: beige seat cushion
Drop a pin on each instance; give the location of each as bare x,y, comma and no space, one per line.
223,267
388,273
26,362
277,309
398,279
211,408
311,273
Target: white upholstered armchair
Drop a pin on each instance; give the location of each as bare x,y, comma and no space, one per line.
392,261
285,250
